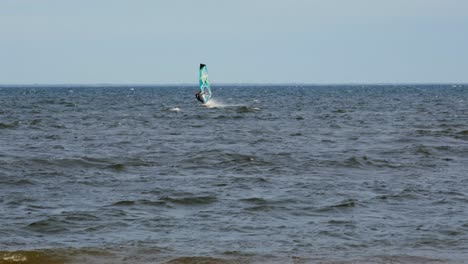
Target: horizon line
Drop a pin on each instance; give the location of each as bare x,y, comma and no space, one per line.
232,84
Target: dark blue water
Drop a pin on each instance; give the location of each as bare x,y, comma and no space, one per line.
266,174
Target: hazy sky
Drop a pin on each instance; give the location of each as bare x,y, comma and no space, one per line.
241,41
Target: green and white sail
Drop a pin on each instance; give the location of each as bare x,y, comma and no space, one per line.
204,83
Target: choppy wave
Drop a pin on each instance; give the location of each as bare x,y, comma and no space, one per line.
9,125
30,257
153,255
149,175
193,200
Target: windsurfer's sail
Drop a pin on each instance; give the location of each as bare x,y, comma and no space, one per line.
205,89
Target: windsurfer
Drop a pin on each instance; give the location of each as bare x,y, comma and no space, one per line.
199,96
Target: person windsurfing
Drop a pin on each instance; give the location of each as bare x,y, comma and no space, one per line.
199,96
204,94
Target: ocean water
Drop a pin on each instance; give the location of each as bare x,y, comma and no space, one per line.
264,174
